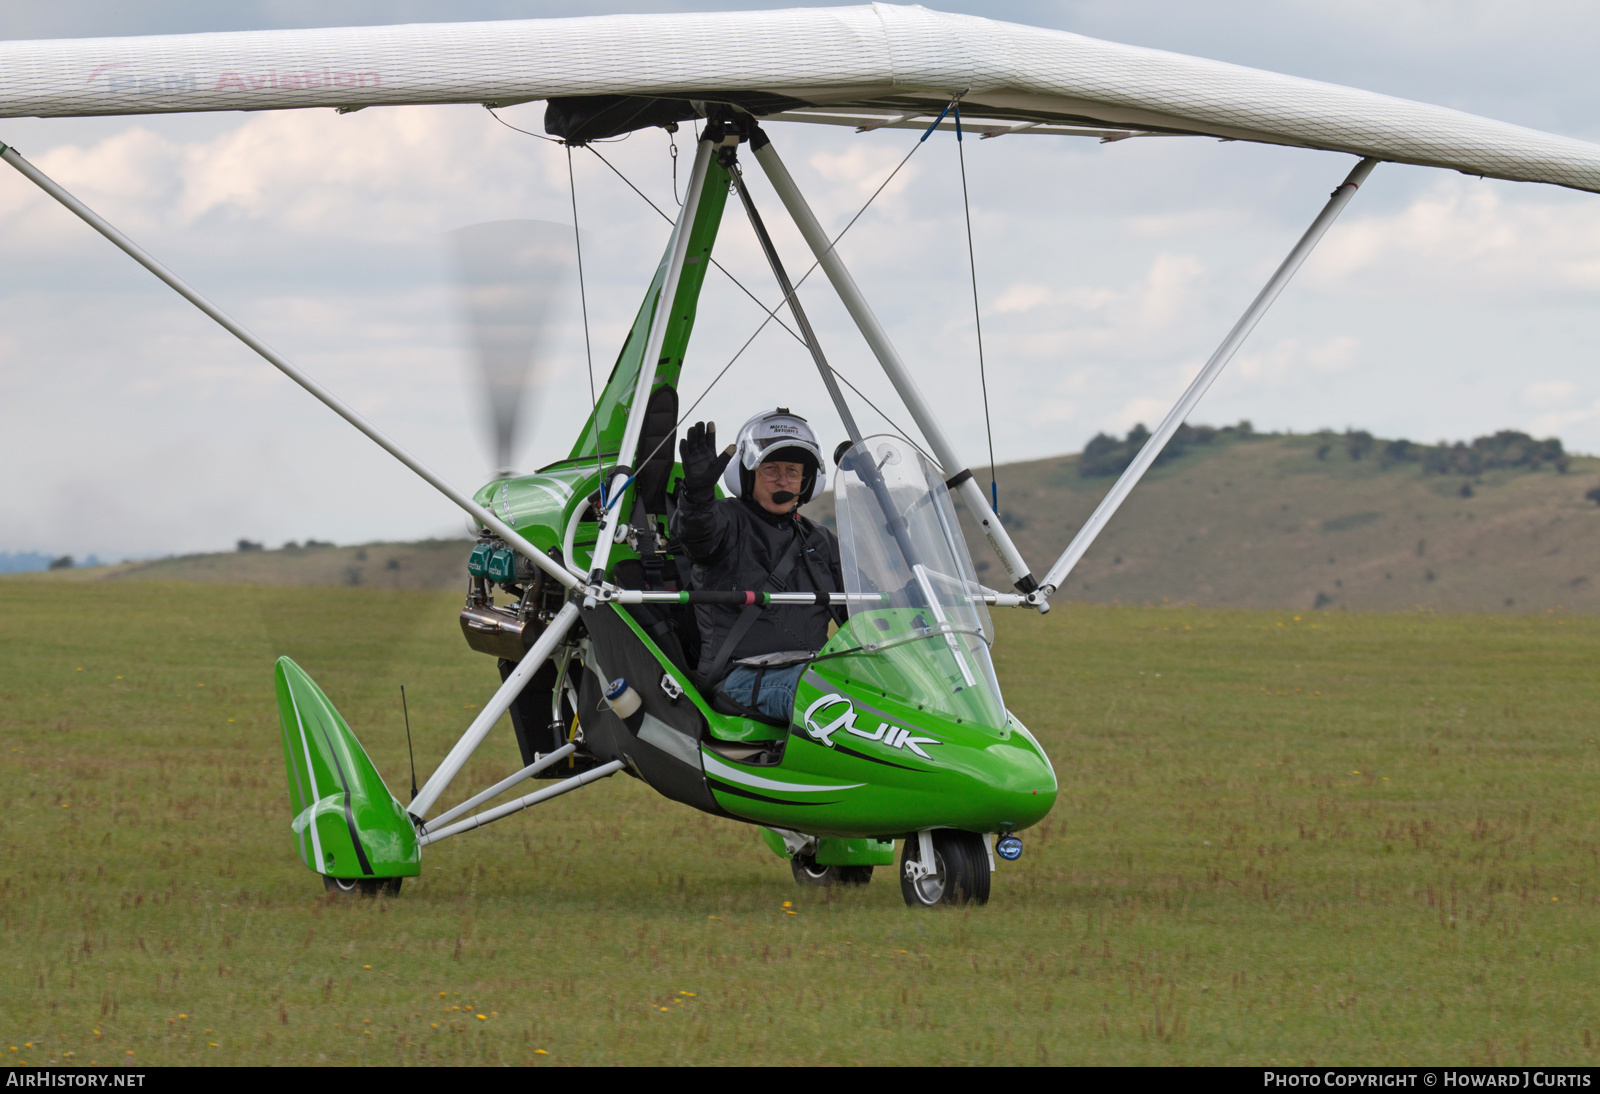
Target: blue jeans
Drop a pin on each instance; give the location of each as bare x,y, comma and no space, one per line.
777,688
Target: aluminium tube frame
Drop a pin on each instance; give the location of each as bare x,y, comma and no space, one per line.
547,760
790,297
283,365
651,359
531,662
564,786
959,475
1197,388
648,596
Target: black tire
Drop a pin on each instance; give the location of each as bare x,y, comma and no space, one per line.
808,872
362,886
961,870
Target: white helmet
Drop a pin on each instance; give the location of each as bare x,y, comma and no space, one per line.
775,434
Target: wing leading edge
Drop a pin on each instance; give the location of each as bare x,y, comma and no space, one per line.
883,65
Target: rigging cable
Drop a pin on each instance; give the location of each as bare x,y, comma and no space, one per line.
588,350
663,215
553,140
524,132
977,319
772,315
672,144
834,242
771,312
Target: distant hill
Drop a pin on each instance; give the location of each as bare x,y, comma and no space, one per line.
1229,517
428,564
24,562
1336,521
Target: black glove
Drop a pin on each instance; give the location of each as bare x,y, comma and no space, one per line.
702,463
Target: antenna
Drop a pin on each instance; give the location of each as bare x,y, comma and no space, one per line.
409,753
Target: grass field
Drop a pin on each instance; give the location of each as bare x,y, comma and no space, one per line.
1314,838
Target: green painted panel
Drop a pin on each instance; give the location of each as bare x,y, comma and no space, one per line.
834,851
345,823
862,764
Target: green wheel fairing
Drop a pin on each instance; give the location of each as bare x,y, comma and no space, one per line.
834,851
345,822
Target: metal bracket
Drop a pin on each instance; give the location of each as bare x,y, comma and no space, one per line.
926,865
796,843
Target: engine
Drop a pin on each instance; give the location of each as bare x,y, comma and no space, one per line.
506,631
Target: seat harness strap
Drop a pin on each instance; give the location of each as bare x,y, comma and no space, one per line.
748,616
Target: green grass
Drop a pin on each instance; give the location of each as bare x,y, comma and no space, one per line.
1331,839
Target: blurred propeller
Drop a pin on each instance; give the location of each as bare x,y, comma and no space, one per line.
514,279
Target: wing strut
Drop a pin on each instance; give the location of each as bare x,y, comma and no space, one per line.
1230,345
960,478
282,364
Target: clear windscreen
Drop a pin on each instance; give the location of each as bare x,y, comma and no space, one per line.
918,627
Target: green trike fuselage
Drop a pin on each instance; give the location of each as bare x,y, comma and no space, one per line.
879,745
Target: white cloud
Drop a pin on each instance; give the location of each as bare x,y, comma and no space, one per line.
860,169
1547,394
1022,297
1143,410
1465,237
1289,358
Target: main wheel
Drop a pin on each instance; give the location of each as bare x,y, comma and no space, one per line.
362,886
807,871
960,874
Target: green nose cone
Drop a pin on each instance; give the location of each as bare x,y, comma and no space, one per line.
1020,782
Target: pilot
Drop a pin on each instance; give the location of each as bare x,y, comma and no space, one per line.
756,539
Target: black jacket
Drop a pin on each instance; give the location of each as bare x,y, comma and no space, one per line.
735,545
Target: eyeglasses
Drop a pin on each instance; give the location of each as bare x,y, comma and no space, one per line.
777,472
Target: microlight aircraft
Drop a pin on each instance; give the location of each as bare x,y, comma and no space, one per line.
900,729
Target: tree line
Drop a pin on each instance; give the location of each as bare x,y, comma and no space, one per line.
1105,455
1508,449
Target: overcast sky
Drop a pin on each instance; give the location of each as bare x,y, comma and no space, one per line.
1438,307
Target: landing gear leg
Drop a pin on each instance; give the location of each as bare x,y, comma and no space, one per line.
944,866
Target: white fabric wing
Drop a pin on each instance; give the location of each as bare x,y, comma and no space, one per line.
873,66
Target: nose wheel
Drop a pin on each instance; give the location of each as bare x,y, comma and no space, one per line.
362,886
959,873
